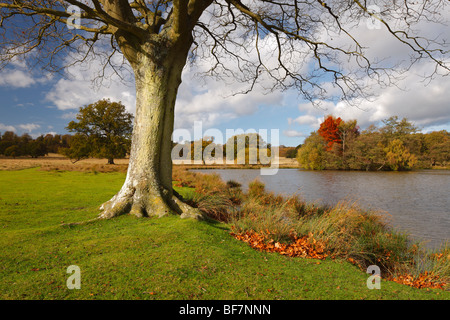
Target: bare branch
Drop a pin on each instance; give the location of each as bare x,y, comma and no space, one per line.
235,30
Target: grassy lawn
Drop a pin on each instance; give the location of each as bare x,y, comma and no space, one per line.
131,258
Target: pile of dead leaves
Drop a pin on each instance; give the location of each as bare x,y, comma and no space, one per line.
306,246
422,281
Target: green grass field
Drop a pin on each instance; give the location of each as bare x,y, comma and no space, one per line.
148,258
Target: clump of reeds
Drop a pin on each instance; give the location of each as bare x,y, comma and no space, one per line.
215,198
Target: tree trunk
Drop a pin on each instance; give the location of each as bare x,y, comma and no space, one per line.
110,161
147,190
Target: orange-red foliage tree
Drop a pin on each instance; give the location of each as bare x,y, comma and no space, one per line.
329,131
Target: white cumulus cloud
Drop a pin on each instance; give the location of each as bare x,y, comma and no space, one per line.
29,127
4,127
294,133
78,87
16,78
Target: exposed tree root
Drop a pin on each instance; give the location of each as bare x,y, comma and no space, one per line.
145,203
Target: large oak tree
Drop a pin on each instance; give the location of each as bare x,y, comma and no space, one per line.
158,37
103,130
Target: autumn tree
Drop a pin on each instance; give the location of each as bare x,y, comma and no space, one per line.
367,151
397,129
376,148
348,131
103,130
312,154
291,152
156,38
437,144
329,131
398,156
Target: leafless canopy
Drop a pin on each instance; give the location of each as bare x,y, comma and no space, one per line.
287,43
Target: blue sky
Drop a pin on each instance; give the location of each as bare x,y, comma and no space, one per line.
37,102
25,109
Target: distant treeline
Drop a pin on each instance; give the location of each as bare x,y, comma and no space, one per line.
12,145
247,148
397,145
288,152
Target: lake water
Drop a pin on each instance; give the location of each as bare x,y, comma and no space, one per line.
417,203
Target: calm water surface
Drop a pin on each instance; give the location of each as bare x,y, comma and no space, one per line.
417,203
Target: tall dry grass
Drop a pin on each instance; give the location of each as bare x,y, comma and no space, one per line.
217,199
56,162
